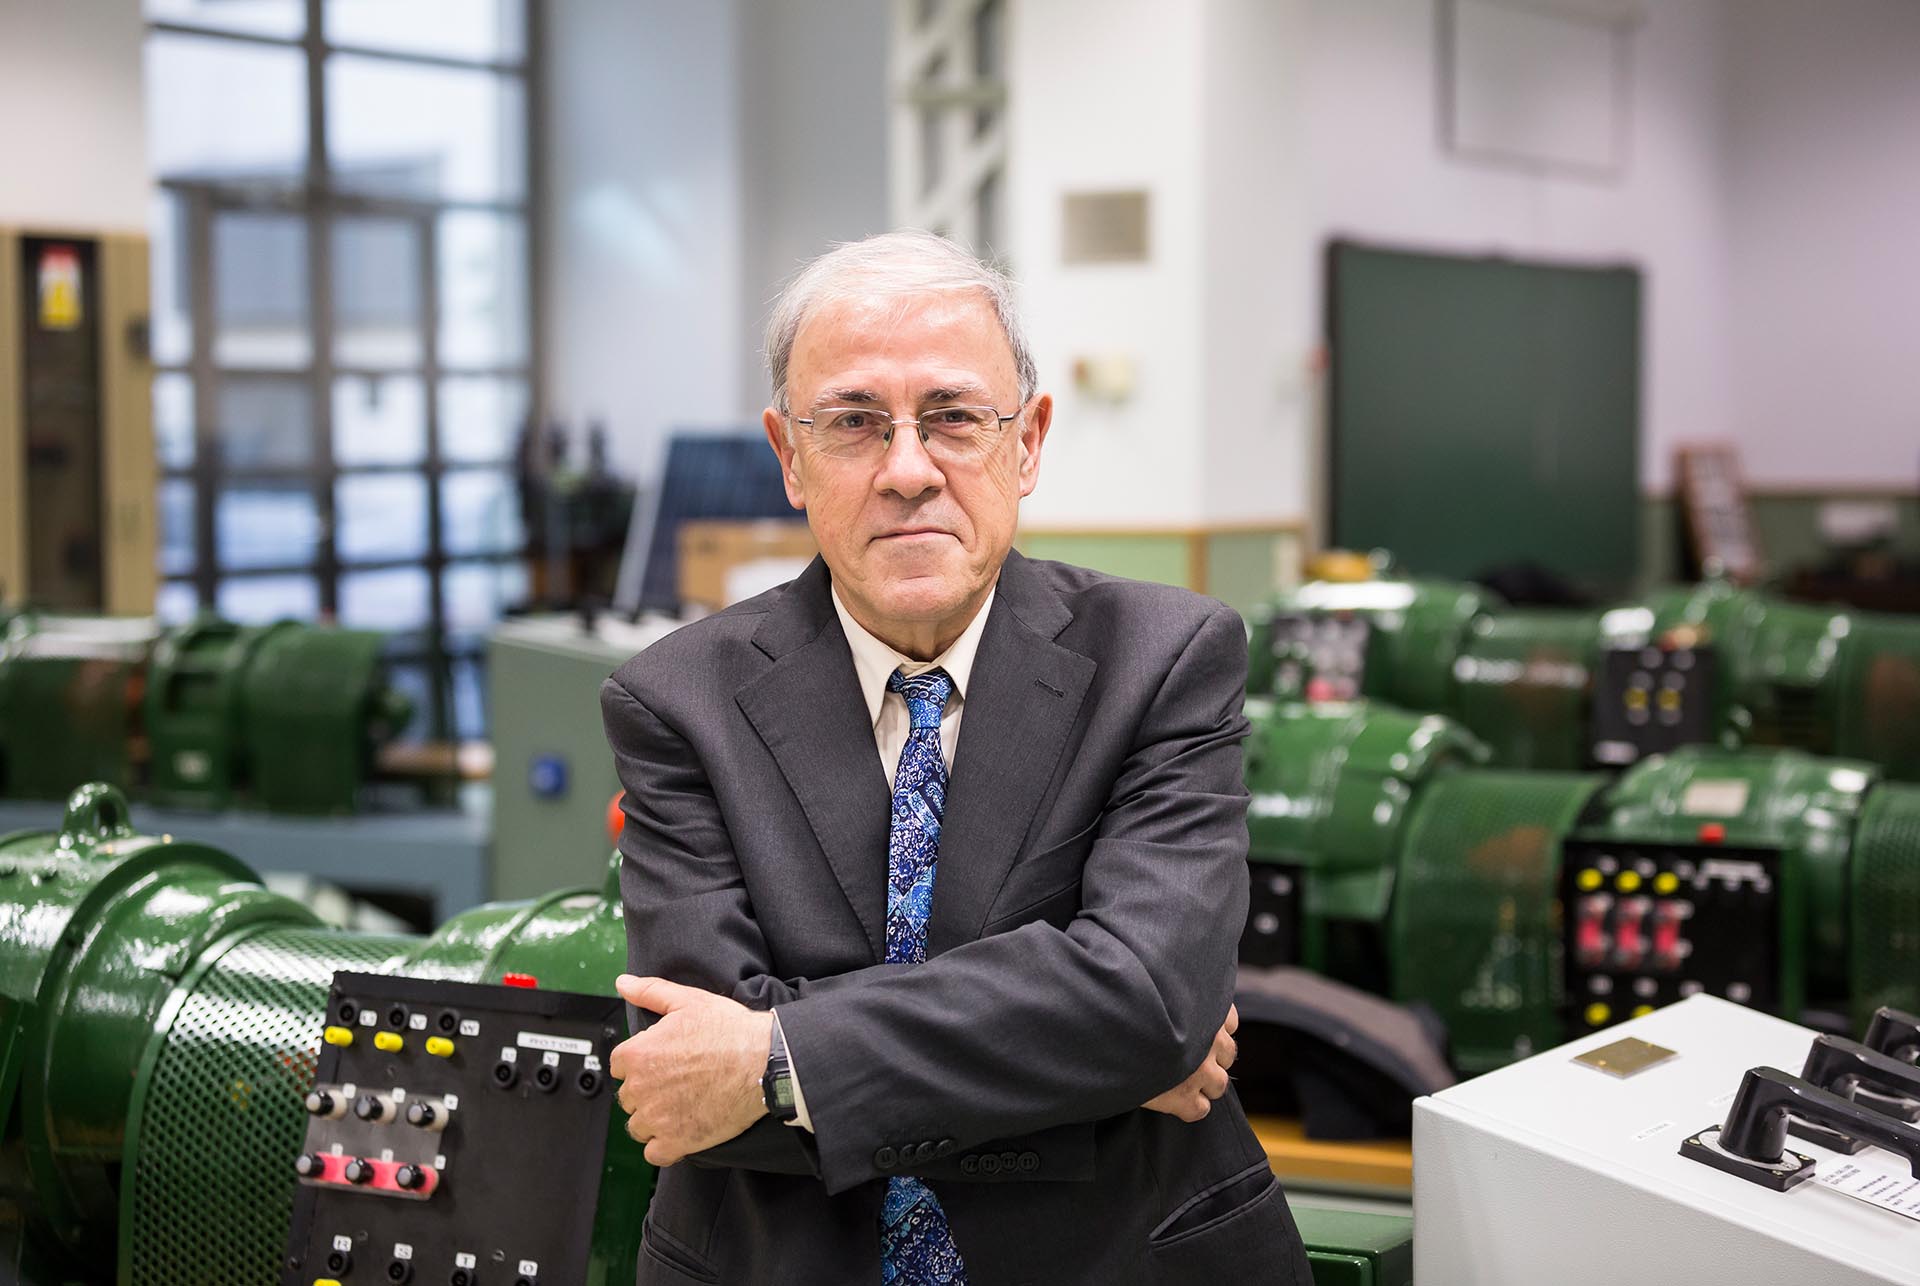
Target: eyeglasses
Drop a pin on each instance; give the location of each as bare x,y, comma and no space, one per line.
955,434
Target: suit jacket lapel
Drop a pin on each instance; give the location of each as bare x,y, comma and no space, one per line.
808,710
1021,702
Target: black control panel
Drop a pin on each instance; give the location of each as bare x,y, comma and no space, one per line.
455,1135
1319,656
1648,700
1272,933
1649,924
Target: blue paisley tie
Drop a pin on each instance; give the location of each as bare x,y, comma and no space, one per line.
916,1246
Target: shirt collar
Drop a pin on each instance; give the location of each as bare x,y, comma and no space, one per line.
874,661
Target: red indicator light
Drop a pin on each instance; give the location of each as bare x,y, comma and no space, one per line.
519,980
1713,833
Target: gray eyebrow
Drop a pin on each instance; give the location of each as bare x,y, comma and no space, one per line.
845,397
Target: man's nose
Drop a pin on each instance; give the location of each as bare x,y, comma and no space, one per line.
906,468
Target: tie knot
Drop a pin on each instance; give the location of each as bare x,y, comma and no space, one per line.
925,694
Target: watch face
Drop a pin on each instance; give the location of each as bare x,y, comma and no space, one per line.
783,1093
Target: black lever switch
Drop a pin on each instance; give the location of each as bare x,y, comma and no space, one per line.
1751,1143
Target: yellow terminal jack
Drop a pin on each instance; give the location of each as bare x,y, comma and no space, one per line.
389,1041
440,1047
341,1036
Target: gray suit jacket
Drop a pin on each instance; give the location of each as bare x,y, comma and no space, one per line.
1089,898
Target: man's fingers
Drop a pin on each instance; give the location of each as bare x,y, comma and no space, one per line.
1213,1080
1197,1109
661,1154
655,995
1232,1024
1225,1049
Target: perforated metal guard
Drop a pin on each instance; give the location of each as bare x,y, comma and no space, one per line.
221,1117
1884,948
1474,933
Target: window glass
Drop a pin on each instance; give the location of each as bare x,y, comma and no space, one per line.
173,420
221,109
483,289
393,599
431,133
376,292
478,30
169,311
264,423
379,420
381,516
176,527
262,314
480,513
481,418
260,600
266,526
284,18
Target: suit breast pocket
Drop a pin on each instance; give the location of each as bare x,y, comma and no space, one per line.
1045,886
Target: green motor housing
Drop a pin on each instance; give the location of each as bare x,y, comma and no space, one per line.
1527,908
1566,689
160,1022
69,696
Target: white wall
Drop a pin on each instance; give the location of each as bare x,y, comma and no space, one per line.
1376,170
1264,127
73,150
814,97
1824,185
690,163
1105,95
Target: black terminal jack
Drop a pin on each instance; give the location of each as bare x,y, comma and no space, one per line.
1751,1143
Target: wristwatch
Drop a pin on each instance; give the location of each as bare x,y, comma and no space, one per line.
776,1083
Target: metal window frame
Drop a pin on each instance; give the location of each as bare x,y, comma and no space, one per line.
319,205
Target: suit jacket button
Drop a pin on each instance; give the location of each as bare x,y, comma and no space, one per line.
944,1148
970,1163
923,1153
886,1158
1029,1163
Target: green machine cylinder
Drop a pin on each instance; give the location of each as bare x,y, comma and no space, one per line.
69,700
292,713
160,1017
1566,689
1526,908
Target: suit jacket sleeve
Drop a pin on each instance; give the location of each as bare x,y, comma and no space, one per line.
677,857
1041,1026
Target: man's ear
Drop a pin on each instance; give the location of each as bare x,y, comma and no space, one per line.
776,426
1032,438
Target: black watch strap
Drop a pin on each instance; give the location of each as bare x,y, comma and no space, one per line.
776,1083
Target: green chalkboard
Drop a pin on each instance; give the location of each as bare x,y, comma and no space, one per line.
1485,413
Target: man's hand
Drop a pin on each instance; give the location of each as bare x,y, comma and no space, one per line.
1192,1098
693,1078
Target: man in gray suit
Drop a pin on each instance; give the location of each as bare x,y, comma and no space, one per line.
914,1000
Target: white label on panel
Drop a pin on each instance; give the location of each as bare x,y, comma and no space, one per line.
562,1044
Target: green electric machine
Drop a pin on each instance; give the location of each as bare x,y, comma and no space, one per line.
285,717
199,1082
1526,908
1571,689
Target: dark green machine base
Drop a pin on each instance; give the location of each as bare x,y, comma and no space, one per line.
1356,1247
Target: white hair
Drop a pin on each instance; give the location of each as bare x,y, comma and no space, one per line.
892,265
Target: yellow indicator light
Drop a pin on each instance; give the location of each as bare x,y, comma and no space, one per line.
341,1036
1669,699
1665,882
1636,699
440,1047
1641,1011
389,1041
1588,880
1598,1013
1628,881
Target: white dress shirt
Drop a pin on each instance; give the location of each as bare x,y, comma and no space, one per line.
873,663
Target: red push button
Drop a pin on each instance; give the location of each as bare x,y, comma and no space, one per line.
519,980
